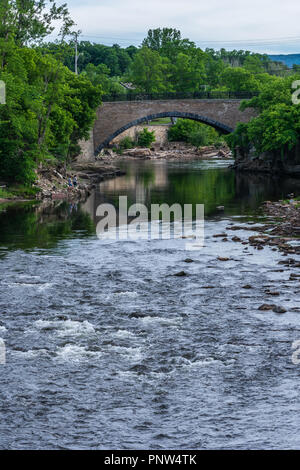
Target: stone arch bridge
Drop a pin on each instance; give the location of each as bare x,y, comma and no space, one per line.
115,117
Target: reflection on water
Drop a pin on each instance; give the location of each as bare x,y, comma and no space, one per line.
210,183
29,225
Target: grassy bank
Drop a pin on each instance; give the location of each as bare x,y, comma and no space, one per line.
18,192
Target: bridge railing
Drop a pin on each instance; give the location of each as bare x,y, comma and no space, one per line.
199,95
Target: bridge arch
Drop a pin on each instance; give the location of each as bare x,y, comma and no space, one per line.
221,127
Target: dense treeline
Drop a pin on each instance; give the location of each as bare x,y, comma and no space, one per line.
275,132
49,109
167,63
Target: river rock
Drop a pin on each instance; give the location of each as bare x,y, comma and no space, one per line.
266,307
258,239
139,152
279,309
181,274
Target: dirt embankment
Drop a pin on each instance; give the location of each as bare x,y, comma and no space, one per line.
54,184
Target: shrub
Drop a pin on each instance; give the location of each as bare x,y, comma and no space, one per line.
194,133
146,138
127,143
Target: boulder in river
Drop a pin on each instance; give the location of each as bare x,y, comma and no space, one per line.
181,274
266,307
272,293
279,309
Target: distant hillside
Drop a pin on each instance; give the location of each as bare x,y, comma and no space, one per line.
288,59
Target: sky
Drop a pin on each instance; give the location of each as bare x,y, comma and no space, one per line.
270,26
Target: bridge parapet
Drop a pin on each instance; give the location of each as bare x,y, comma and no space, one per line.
198,95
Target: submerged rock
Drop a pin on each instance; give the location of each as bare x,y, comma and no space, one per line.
266,307
181,274
279,309
272,293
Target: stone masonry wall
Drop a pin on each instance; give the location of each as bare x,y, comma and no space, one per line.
161,134
116,117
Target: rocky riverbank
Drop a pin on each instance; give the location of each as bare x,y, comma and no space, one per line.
171,152
265,163
281,230
52,183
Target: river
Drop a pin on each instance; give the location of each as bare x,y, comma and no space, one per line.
107,349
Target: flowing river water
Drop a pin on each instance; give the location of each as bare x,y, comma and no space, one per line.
107,349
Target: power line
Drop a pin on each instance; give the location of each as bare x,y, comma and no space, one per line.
261,41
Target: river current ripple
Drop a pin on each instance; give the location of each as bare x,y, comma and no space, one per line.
107,349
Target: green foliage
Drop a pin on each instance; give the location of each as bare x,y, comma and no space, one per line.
167,42
168,63
239,138
193,132
48,109
29,21
147,71
127,143
100,76
146,138
239,79
276,129
187,72
5,194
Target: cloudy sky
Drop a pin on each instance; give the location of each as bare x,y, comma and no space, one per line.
270,26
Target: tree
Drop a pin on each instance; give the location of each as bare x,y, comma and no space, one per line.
276,129
147,71
146,138
32,20
254,64
239,79
167,42
193,132
188,71
48,110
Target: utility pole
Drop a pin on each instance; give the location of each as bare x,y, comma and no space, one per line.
76,35
76,54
